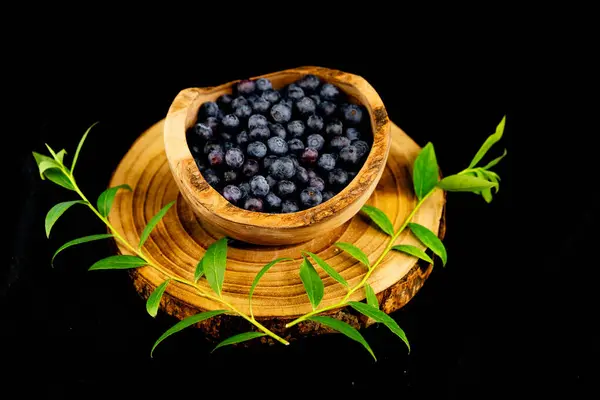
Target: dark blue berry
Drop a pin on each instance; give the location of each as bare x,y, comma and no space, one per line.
269,160
263,84
334,127
309,82
256,121
260,133
310,197
273,201
306,106
243,112
329,92
301,174
277,130
327,108
232,193
327,195
210,146
282,168
253,204
316,99
281,113
295,128
209,109
311,173
256,149
234,158
245,87
224,101
294,92
353,114
362,147
230,122
272,96
337,142
259,186
326,162
216,158
245,189
260,105
352,134
289,206
294,159
203,131
211,177
277,146
286,188
250,167
349,155
338,177
317,183
242,138
286,102
315,123
230,176
239,101
295,145
315,141
309,156
271,181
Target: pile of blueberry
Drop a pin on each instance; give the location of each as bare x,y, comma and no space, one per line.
281,150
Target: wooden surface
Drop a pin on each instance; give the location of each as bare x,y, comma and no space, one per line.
265,228
179,241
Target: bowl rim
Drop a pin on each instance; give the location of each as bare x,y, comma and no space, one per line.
380,126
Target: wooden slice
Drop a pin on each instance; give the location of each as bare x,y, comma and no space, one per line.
180,240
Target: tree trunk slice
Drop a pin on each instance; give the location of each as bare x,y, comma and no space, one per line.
180,240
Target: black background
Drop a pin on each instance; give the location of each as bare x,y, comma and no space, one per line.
513,307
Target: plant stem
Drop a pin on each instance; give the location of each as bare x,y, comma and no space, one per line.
387,249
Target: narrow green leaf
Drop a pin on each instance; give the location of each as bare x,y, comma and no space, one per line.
56,211
81,240
425,171
152,223
39,159
58,177
312,283
489,142
199,270
464,183
371,296
118,262
485,193
257,278
381,317
379,218
242,337
413,251
80,145
106,198
60,156
492,177
154,299
496,160
214,263
430,240
54,155
354,252
344,328
189,321
327,268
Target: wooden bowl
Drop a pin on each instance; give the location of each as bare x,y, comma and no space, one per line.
265,228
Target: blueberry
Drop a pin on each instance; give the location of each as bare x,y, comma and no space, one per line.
263,84
349,155
211,177
286,188
224,101
245,87
260,133
230,122
277,130
301,175
334,127
272,96
271,181
256,149
352,134
232,193
294,159
338,177
281,113
261,105
209,109
309,82
245,189
213,122
316,99
337,142
315,141
317,183
295,128
243,112
230,176
329,92
311,173
250,168
309,156
210,146
295,145
253,204
327,108
310,197
286,102
256,121
326,162
234,158
353,114
273,201
289,206
216,158
306,106
201,166
269,160
239,101
204,131
315,123
282,168
294,92
362,147
327,195
259,186
242,138
277,145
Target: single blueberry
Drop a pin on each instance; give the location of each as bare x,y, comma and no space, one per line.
337,142
277,130
243,112
210,146
272,96
216,158
256,121
232,193
317,183
245,87
295,145
315,141
312,173
253,204
203,131
334,127
282,168
273,201
242,138
230,176
362,147
211,177
239,101
230,122
352,134
301,175
329,92
234,158
278,146
349,155
209,109
338,177
260,133
306,106
315,123
353,114
295,128
309,156
256,149
327,108
281,113
263,84
250,167
309,82
310,197
260,105
326,162
294,92
286,188
224,101
259,186
289,206
316,99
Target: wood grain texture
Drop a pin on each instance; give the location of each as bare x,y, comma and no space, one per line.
266,228
180,240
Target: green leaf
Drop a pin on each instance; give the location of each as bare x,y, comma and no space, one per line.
54,155
425,171
413,251
381,317
155,220
80,145
344,328
194,319
46,165
371,296
464,183
56,211
118,262
312,283
496,160
81,240
485,193
354,252
58,177
379,218
61,155
199,270
106,198
257,278
154,299
489,142
242,337
430,240
327,268
492,177
39,159
214,263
